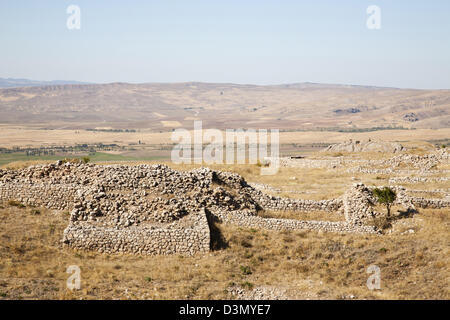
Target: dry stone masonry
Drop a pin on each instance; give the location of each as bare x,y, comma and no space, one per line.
404,164
358,204
153,209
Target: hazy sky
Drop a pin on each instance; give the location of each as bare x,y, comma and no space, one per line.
260,42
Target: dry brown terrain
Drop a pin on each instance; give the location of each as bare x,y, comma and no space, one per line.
308,265
155,106
22,136
296,265
413,254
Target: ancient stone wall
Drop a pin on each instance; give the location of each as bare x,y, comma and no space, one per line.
291,224
110,212
58,196
189,236
358,205
152,209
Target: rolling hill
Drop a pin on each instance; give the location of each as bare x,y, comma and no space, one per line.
163,106
14,83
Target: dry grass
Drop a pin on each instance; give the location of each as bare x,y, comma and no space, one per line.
15,135
428,186
306,264
24,164
300,215
309,265
370,155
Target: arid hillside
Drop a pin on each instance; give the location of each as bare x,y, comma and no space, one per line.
165,106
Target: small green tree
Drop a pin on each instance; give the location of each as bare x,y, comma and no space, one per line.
385,196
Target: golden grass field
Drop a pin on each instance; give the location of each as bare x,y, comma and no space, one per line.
23,136
306,264
309,265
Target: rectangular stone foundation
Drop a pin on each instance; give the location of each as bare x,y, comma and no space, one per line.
176,238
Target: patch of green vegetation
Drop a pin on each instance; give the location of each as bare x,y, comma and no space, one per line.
6,158
385,196
246,270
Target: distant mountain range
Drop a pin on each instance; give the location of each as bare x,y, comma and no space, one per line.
14,83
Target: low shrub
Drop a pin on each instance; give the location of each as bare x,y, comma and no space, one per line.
245,270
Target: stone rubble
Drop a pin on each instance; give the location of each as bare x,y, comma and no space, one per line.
365,146
258,293
153,209
358,205
418,165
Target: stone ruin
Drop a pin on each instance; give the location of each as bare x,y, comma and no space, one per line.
153,209
365,146
358,204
